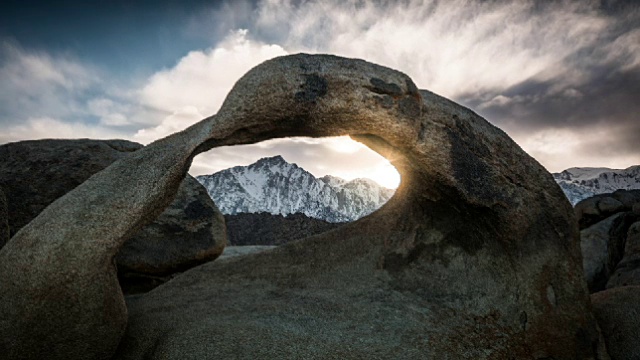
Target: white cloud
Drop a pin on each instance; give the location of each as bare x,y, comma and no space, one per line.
49,128
499,100
24,70
109,112
37,84
558,149
197,85
179,120
44,95
453,47
625,48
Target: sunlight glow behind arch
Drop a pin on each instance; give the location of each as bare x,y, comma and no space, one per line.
338,156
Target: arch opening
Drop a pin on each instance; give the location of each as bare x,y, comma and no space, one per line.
276,191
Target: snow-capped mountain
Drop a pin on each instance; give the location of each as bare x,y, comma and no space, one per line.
275,186
581,183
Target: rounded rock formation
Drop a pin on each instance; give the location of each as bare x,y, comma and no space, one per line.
601,251
189,232
599,207
627,271
475,256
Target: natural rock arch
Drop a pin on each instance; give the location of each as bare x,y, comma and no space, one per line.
476,256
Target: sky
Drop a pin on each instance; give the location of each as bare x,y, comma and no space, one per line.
562,78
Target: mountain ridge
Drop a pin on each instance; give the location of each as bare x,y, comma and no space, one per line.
579,183
275,186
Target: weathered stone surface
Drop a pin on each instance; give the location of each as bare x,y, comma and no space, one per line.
4,220
189,232
599,207
618,314
627,271
627,197
601,252
35,173
595,209
476,256
609,205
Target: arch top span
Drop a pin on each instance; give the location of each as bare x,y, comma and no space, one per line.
477,236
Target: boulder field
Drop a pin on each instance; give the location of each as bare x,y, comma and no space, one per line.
476,256
610,242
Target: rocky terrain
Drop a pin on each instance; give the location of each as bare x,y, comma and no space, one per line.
610,243
267,229
274,186
33,174
477,255
581,183
609,225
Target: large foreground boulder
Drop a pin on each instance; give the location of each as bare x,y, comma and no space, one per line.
618,314
189,232
476,256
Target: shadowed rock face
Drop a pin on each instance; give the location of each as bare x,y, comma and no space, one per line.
4,220
189,232
476,255
267,229
601,251
628,270
617,311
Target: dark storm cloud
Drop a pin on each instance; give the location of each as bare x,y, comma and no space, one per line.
597,95
611,98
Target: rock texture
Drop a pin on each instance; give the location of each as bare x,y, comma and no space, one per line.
618,314
189,232
267,229
4,220
599,207
627,271
601,251
35,173
476,255
609,239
